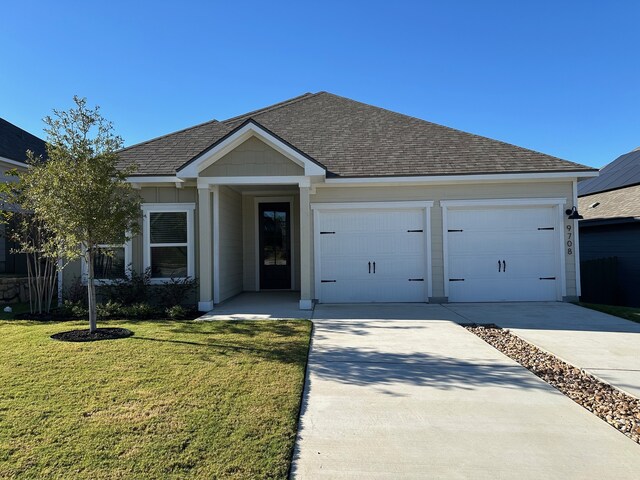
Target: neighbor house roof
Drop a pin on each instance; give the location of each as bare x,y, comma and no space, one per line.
14,142
623,171
623,203
352,139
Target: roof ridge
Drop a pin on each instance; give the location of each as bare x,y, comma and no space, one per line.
453,129
270,108
173,133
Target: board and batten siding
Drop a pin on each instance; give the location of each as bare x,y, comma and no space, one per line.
231,251
452,192
252,158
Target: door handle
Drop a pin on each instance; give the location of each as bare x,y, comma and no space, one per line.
499,266
374,267
504,266
369,267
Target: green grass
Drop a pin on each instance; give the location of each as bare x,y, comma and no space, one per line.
177,400
628,313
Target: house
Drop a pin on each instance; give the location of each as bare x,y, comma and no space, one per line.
347,202
14,143
610,233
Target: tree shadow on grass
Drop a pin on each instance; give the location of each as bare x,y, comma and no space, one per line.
285,352
249,328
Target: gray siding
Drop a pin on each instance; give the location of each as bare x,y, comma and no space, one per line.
250,239
231,272
252,158
452,192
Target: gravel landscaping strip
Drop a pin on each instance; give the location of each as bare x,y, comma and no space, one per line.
615,407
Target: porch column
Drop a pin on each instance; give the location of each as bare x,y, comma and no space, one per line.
205,232
306,302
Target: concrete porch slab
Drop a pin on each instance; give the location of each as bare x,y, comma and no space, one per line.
259,306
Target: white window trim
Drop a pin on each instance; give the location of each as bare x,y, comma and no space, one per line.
108,281
557,203
187,208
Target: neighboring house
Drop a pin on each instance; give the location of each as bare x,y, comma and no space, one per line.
346,202
610,205
14,143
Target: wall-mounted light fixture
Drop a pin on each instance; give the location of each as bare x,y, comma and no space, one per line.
573,213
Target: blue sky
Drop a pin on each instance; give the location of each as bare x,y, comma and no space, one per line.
559,77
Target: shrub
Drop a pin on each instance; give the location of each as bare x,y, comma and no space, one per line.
71,309
141,311
134,289
176,291
178,312
76,293
109,310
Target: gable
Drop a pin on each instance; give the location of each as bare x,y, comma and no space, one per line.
253,157
332,136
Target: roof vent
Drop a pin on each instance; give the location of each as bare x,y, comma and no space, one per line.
594,205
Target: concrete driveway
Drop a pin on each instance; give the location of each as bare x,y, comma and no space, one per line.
606,346
402,391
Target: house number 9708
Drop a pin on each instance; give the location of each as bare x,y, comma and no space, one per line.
569,240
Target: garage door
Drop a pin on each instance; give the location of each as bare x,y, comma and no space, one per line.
503,254
371,256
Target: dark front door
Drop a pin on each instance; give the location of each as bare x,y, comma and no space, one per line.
275,248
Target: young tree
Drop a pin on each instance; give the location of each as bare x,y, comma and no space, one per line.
35,241
79,193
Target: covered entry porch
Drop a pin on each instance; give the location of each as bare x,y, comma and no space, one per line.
259,306
254,236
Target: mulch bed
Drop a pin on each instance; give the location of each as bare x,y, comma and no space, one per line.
87,336
615,407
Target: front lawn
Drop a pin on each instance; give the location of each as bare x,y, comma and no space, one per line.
628,313
178,399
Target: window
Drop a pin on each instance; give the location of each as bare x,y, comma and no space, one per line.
168,240
110,263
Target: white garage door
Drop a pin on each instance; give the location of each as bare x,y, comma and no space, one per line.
371,256
503,254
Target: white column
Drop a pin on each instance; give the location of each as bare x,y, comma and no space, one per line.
576,242
205,231
216,243
306,302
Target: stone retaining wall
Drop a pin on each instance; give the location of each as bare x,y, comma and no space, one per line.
14,290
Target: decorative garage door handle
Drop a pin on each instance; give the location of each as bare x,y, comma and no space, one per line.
374,267
499,266
369,267
504,266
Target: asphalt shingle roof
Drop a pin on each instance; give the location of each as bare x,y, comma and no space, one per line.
353,139
620,203
14,142
164,155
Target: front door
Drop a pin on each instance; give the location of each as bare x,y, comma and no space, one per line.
275,246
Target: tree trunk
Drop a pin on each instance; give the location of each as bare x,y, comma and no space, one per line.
91,290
